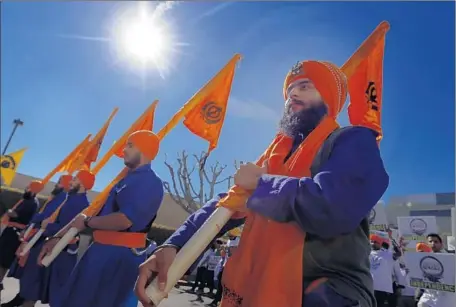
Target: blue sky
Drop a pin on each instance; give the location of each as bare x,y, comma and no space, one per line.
64,88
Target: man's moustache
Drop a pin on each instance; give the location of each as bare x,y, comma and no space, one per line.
291,102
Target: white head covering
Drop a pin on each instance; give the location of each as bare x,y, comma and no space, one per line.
233,243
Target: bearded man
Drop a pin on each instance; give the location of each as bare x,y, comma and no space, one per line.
106,273
57,197
16,220
306,237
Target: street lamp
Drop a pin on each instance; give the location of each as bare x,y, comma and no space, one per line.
17,122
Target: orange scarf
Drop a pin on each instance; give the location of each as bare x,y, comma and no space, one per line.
261,274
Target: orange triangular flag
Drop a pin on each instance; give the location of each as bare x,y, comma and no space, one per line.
89,153
97,140
364,71
205,112
144,122
66,163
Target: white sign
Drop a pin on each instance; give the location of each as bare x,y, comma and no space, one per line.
414,229
377,218
451,242
434,271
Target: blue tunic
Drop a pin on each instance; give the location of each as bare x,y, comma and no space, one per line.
106,274
332,203
16,270
32,281
51,206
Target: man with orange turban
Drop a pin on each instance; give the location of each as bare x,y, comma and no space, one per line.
106,273
16,220
35,278
310,194
58,196
381,267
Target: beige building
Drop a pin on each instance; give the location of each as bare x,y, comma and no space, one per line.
437,204
170,214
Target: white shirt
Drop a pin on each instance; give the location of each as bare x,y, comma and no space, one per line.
204,260
402,279
382,264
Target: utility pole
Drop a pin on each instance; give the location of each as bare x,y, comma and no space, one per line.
17,122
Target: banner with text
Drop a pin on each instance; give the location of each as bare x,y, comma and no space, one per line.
434,271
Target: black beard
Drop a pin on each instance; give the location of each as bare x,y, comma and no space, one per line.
302,122
134,163
74,190
27,195
56,191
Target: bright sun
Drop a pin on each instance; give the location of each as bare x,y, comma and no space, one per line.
143,39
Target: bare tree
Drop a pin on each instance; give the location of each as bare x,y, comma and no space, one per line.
191,184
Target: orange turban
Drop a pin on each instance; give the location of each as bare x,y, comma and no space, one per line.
86,178
328,79
422,247
146,142
36,186
65,180
376,238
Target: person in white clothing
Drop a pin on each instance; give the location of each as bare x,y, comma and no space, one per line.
230,248
407,293
381,263
433,298
201,274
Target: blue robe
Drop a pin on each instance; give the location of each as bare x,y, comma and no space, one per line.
16,271
33,279
332,203
106,274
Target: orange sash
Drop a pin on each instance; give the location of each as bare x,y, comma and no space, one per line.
266,269
117,238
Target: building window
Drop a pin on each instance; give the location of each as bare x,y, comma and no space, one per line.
439,213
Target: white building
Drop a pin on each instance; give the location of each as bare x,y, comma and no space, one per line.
437,204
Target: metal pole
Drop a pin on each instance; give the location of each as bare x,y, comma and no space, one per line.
17,122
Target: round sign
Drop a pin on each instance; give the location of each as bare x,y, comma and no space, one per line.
431,267
418,226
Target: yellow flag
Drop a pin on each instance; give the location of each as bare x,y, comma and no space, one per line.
9,164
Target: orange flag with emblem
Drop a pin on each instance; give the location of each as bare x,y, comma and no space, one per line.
364,71
144,122
205,112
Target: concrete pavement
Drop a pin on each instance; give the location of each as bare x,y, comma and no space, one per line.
177,298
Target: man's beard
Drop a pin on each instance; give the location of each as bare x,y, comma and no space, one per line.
133,163
302,122
27,195
74,190
57,190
